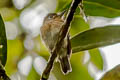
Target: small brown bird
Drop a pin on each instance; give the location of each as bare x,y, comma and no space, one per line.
49,33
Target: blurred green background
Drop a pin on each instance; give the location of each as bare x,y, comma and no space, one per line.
27,55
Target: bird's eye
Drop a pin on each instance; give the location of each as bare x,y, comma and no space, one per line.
50,17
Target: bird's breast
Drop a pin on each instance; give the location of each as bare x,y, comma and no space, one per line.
50,33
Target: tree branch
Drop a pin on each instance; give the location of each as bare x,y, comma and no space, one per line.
63,32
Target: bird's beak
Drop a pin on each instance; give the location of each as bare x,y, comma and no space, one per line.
61,13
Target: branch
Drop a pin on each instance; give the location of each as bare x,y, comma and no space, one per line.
63,32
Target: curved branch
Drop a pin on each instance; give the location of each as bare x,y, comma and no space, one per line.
63,32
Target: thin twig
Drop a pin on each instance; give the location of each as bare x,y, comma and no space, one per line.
63,33
82,11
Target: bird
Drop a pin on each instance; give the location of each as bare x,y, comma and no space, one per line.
49,33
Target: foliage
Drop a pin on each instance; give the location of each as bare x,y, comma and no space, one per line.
3,50
3,43
83,38
113,74
96,7
96,37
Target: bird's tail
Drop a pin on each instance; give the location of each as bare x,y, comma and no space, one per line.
65,64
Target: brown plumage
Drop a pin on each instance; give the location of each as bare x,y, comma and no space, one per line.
49,32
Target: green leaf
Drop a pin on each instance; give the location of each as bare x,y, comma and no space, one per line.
8,14
96,58
14,50
62,4
106,8
115,4
3,43
78,25
33,75
113,74
95,38
6,3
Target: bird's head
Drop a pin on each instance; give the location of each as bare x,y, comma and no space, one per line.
54,16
